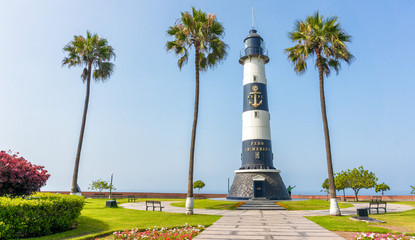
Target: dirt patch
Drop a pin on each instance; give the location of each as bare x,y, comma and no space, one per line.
397,229
345,235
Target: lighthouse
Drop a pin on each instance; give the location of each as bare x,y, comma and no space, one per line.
257,178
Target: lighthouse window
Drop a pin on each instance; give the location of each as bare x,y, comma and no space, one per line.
255,78
257,155
256,115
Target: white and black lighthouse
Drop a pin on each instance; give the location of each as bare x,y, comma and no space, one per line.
257,177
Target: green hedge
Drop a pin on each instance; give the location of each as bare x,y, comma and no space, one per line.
38,215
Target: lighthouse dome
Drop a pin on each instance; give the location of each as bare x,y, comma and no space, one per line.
254,46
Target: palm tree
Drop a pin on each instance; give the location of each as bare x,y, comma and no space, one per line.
327,41
202,32
94,54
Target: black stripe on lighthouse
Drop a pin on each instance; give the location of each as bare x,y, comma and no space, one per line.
257,154
255,97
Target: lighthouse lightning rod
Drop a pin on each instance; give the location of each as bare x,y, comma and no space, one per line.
252,17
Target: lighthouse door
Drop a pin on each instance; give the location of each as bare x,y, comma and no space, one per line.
259,189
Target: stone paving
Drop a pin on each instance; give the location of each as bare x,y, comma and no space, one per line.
265,224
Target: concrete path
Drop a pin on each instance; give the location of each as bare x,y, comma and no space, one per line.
266,224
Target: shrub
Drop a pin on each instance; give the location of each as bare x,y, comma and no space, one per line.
38,215
18,177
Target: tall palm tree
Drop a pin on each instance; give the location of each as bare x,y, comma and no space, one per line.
326,40
94,54
202,32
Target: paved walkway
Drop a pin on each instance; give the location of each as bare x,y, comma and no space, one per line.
265,224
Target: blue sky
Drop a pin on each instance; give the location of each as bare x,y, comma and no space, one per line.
139,121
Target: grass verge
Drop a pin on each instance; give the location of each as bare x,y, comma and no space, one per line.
399,222
343,223
98,220
311,204
209,204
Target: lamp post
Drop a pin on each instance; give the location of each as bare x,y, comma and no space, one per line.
228,185
111,186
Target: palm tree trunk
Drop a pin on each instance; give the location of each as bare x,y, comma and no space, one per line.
334,208
74,188
189,200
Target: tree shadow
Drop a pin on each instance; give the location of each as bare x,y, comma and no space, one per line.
86,226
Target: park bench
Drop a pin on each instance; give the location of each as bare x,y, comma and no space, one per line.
197,196
153,204
377,203
131,198
99,195
350,199
116,195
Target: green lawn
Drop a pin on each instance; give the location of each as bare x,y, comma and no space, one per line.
343,223
209,204
396,222
311,204
96,219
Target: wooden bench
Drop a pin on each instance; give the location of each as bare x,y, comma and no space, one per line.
377,203
376,198
197,196
153,204
350,198
99,195
116,195
131,198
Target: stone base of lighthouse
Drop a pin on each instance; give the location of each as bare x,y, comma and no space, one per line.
258,183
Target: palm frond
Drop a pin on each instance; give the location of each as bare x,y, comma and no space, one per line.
324,37
197,30
104,71
90,52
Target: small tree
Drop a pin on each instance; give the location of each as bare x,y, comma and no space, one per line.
199,184
382,188
326,188
360,178
413,189
101,185
18,177
342,182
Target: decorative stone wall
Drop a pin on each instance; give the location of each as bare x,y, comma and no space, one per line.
242,186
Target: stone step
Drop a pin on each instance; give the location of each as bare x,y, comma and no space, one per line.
260,205
260,208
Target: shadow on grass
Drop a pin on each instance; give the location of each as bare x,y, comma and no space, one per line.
86,226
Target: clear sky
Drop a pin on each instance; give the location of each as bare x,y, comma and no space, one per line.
139,121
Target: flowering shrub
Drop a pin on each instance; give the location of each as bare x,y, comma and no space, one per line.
18,177
379,236
184,232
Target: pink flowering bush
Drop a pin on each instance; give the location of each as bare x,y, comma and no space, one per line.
18,177
379,236
184,232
